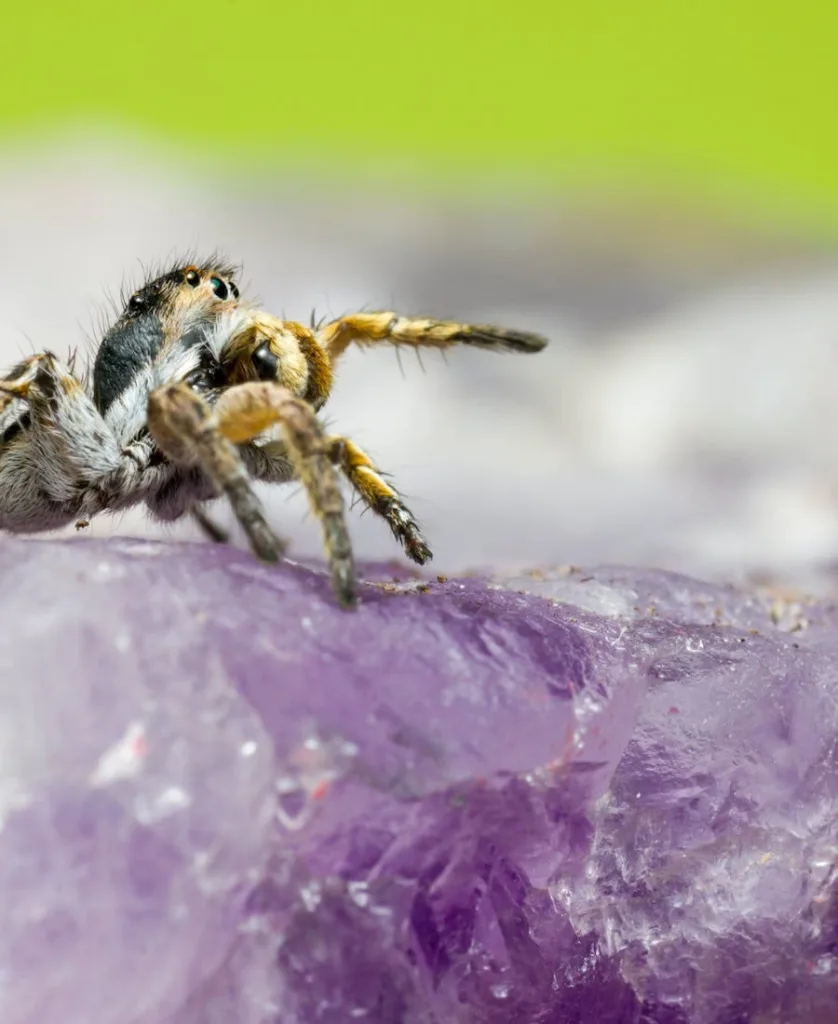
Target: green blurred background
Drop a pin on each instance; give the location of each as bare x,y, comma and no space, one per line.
719,97
651,184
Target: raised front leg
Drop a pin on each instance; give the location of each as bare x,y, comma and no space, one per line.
375,328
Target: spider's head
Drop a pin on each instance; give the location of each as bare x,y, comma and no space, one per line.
173,307
207,289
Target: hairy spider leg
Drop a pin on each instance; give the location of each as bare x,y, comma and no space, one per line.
183,426
382,499
247,410
208,526
59,459
419,332
190,431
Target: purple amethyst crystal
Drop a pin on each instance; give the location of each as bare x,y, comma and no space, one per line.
563,798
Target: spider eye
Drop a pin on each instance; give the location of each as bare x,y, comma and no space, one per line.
219,287
234,289
135,303
265,362
192,278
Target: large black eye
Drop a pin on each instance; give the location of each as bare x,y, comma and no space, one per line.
135,303
265,362
192,278
219,287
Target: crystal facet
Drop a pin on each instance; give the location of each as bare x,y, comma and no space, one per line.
560,797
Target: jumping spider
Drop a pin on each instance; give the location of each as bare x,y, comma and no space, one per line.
182,405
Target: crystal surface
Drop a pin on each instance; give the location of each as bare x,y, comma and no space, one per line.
568,797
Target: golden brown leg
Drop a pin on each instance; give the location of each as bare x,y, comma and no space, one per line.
184,427
371,328
245,411
381,498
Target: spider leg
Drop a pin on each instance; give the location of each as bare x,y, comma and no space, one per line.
247,410
48,411
210,529
419,332
189,431
59,459
378,496
184,427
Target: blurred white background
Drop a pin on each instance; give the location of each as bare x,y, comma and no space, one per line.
684,415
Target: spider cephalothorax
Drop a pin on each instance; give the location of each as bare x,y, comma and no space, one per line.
194,393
